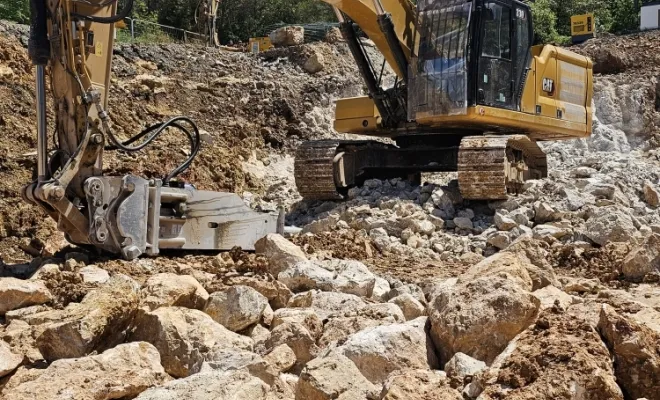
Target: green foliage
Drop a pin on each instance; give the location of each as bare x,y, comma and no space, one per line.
15,10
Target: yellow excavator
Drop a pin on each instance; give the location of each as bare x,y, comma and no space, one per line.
71,41
472,95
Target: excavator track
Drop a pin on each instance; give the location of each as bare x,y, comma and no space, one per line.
314,170
491,167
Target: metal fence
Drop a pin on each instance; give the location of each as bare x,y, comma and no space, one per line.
134,30
314,32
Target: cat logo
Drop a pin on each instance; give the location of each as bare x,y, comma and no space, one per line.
548,86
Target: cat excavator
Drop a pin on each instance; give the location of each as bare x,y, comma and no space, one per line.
472,95
71,42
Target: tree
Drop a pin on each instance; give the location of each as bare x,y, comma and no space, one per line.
545,22
15,10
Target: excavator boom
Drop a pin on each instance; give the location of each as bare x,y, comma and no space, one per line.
72,41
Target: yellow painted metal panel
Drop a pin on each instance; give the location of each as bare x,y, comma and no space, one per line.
356,125
355,107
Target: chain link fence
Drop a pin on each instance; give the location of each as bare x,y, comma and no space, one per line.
132,30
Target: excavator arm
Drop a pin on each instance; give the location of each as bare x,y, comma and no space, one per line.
72,41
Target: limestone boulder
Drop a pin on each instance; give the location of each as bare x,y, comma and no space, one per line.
185,338
353,277
535,256
306,317
306,275
298,338
17,293
409,305
118,373
608,225
326,303
410,288
551,296
314,63
419,384
511,265
461,366
280,252
480,317
167,289
380,350
651,194
341,325
288,36
97,323
381,289
333,377
9,361
94,275
216,385
636,351
236,307
643,259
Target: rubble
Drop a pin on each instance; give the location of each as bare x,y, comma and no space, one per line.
236,307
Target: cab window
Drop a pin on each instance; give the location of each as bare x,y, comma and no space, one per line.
497,31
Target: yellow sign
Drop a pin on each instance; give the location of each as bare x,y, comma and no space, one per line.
257,45
583,27
98,49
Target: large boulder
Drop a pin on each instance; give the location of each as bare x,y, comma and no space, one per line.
118,373
636,350
236,307
306,275
535,257
511,265
185,338
480,317
340,325
419,385
97,323
333,377
380,350
462,366
608,225
165,290
411,307
18,293
216,385
560,357
643,259
287,36
8,360
551,296
298,338
314,63
306,317
281,253
276,292
326,303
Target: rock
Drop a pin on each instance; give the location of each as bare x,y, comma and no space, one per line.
636,350
216,385
381,289
560,357
609,225
580,285
314,63
463,223
306,275
334,35
326,303
333,377
98,322
499,239
165,290
185,337
480,317
353,277
643,259
8,360
550,296
504,223
511,265
118,373
281,253
18,293
410,306
259,335
236,307
94,274
287,36
281,358
549,232
342,325
651,195
380,350
232,360
534,256
419,385
543,213
297,337
306,317
461,366
410,288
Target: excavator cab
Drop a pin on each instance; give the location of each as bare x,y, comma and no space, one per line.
469,53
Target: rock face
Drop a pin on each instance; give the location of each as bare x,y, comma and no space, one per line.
636,350
165,290
236,307
419,385
333,377
216,385
185,338
288,36
8,360
121,372
97,323
643,259
480,317
17,293
383,349
561,357
280,252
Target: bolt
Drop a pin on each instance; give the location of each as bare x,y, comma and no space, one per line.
97,139
131,252
57,193
129,187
